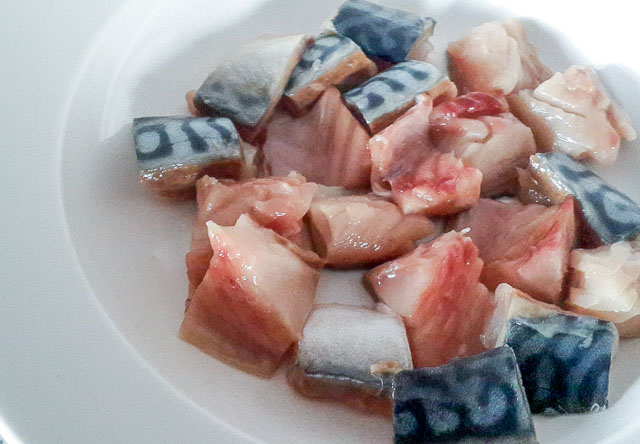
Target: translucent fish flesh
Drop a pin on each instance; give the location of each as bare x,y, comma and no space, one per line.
327,145
331,60
278,203
572,113
479,399
358,230
564,361
609,215
478,129
605,284
526,246
254,299
383,98
436,291
248,84
351,354
387,33
495,58
173,152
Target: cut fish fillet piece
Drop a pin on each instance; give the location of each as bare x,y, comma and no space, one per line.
357,230
278,203
495,58
436,291
571,113
351,354
254,299
605,284
526,246
327,145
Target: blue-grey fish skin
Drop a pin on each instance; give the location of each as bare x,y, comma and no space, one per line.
564,361
611,215
174,141
387,33
479,399
391,90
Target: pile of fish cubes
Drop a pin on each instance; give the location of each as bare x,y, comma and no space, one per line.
342,150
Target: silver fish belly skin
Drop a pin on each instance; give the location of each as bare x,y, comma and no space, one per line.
564,361
391,90
387,33
166,142
479,399
343,345
611,215
327,52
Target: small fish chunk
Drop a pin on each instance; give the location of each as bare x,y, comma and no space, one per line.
173,152
605,284
470,400
383,98
353,231
436,291
572,113
440,185
478,129
331,60
510,303
608,215
495,58
386,33
351,354
526,246
248,84
564,361
254,299
278,203
327,145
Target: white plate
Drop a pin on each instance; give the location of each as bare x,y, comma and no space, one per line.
93,280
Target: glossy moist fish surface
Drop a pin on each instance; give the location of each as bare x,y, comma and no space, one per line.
173,152
526,246
605,284
351,354
388,33
436,291
611,215
479,399
564,361
384,97
327,145
571,113
253,301
248,84
358,230
331,60
278,203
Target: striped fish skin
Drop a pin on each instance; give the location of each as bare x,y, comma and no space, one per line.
331,60
564,361
611,215
479,399
381,99
173,151
388,33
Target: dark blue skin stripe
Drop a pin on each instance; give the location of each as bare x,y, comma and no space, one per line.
387,33
611,215
163,149
564,361
475,399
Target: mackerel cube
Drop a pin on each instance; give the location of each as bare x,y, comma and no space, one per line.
564,361
384,97
387,33
173,152
479,399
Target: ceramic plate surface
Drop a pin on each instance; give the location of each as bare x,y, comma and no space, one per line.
93,283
